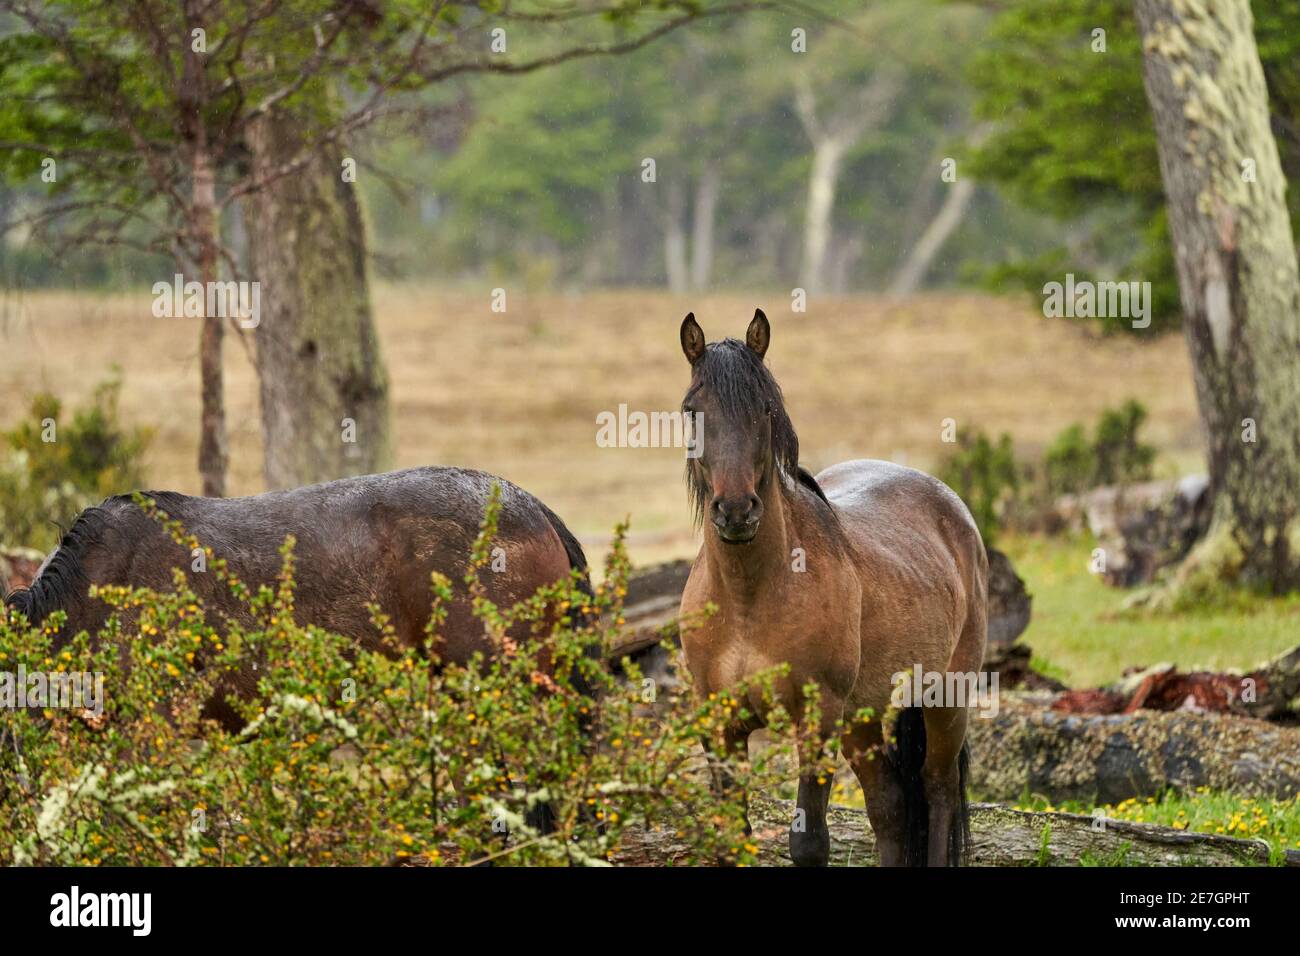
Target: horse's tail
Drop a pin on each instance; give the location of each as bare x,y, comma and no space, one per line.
907,754
577,617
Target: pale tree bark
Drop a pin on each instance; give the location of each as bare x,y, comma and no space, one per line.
909,275
832,138
1238,280
322,382
674,217
704,213
952,211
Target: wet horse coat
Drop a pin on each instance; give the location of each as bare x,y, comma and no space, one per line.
371,539
863,572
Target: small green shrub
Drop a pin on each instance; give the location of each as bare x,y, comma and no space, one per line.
1069,463
45,483
986,477
1000,491
1114,455
1121,456
351,757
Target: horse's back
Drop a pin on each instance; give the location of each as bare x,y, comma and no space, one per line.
369,539
885,494
921,557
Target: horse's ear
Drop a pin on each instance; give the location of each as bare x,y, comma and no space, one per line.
759,334
692,338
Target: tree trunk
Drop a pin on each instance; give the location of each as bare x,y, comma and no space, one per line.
832,138
675,240
213,455
827,158
203,244
1237,277
323,387
703,217
908,278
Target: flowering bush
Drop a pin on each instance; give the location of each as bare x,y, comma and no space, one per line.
354,757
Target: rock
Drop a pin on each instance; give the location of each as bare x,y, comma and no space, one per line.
1010,605
1026,748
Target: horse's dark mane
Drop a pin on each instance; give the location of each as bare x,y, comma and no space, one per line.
63,578
745,389
808,481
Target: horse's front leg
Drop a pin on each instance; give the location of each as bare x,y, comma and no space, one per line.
735,746
810,839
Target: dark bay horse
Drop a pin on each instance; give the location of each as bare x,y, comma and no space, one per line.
372,539
860,574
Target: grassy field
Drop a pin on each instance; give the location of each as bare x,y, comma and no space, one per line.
518,393
1080,635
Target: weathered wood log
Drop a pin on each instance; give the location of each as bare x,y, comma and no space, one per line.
1141,528
1270,692
1108,758
1000,837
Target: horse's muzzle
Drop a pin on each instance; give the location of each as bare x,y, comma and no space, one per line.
737,518
738,536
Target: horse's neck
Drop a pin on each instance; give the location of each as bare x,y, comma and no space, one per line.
745,570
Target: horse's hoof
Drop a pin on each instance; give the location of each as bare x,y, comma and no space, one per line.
810,849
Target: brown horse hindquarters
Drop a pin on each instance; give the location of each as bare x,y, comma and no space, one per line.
372,539
923,573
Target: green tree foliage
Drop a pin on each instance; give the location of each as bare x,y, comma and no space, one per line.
1074,138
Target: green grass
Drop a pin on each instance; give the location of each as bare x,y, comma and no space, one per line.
1079,636
1277,822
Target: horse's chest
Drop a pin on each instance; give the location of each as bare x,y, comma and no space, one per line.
732,647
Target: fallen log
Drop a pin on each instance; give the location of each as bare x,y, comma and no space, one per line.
1140,528
1270,692
1000,837
1106,758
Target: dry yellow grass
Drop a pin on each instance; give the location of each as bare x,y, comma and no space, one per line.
518,393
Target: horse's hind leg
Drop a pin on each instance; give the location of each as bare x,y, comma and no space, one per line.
945,733
881,788
810,840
